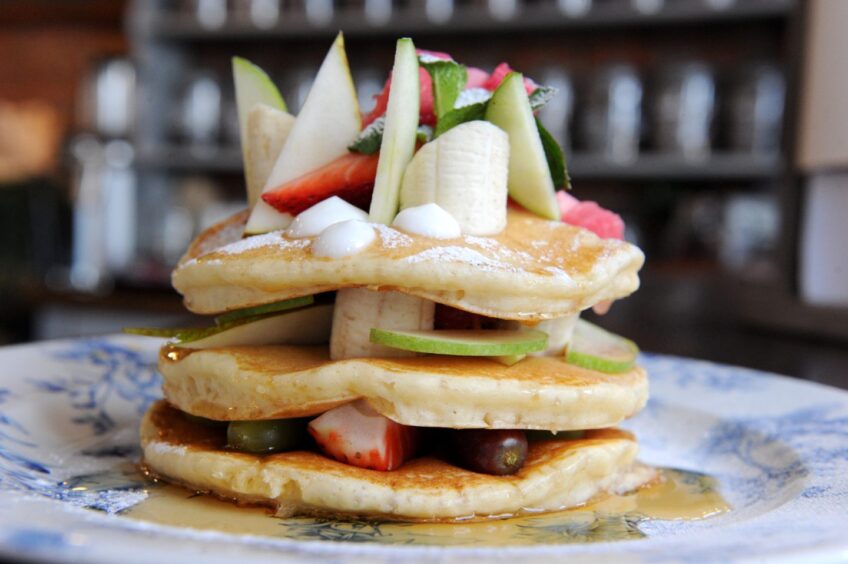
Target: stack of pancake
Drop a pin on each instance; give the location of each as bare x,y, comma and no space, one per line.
534,270
419,364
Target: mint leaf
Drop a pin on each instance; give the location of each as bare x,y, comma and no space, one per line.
369,139
449,79
541,96
461,115
554,156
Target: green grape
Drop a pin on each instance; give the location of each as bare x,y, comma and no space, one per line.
265,437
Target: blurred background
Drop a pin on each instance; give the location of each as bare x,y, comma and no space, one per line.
717,128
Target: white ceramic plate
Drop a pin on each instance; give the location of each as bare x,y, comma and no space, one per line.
69,413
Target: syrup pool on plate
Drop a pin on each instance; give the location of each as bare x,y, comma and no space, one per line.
681,495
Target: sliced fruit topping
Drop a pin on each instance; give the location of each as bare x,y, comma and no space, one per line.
328,122
465,172
263,309
597,349
509,359
462,343
306,326
267,131
591,216
490,451
350,177
253,87
530,181
499,75
266,437
399,135
356,434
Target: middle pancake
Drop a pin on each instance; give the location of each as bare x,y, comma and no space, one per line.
269,382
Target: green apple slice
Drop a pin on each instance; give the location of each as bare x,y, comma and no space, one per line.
263,309
253,86
597,349
305,326
328,122
530,182
463,343
399,133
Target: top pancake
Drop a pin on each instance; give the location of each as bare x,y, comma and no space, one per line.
535,269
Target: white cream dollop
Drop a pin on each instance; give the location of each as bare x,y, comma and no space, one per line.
344,239
429,220
322,215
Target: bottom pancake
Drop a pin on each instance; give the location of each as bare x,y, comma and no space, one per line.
558,474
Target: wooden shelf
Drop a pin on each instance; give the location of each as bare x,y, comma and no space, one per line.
411,20
581,166
719,166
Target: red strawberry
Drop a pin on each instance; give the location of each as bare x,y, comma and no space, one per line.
591,216
350,177
357,435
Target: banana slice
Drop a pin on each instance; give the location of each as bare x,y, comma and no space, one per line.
357,310
559,331
465,172
267,131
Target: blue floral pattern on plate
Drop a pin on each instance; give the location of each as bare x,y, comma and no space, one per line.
69,413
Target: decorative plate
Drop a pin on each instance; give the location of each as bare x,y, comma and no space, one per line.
70,489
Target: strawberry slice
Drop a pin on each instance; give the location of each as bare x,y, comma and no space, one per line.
591,216
350,177
357,435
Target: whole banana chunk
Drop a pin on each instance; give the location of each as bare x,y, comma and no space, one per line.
464,171
357,310
267,131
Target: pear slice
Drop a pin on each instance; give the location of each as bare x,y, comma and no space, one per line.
463,343
530,182
307,326
253,86
328,122
274,307
597,349
399,133
304,326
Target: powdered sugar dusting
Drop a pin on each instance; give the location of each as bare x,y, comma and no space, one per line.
463,255
392,238
272,239
482,242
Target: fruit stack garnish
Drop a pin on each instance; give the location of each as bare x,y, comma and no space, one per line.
444,154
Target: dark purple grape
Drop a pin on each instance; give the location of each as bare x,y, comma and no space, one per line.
490,451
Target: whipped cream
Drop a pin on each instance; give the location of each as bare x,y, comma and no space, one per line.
344,239
428,220
315,220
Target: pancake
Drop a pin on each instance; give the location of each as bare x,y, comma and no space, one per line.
269,382
535,269
558,474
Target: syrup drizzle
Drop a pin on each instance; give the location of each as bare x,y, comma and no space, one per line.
681,495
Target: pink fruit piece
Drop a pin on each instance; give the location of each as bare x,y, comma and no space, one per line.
477,78
566,201
357,435
591,216
500,73
427,115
